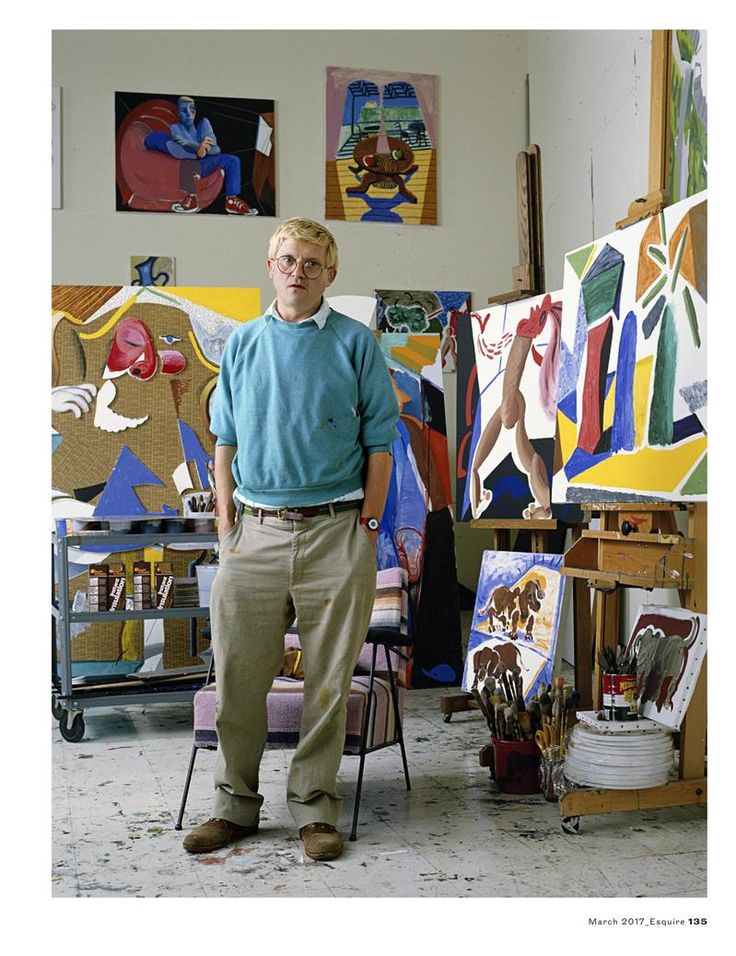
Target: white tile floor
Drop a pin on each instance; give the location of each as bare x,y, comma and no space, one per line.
116,796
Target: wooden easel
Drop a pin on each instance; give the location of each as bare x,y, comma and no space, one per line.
528,280
693,571
657,558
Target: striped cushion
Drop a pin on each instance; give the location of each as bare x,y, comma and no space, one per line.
284,703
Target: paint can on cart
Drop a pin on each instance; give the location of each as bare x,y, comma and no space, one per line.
619,697
516,765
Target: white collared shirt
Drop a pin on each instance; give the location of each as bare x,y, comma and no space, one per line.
320,316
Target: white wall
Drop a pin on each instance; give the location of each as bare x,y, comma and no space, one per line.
589,112
482,126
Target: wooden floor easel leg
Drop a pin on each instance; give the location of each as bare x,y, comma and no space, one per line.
606,612
583,643
693,730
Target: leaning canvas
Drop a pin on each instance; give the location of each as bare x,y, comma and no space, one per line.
670,645
516,620
632,384
420,311
416,526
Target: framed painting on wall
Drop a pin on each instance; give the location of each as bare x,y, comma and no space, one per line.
194,154
381,161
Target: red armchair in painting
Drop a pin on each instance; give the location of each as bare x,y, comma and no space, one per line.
148,179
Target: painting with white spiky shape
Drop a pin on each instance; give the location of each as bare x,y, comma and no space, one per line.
515,622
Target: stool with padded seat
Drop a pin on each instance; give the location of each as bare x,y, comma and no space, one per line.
375,701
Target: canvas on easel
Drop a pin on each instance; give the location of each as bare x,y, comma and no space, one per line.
508,360
632,385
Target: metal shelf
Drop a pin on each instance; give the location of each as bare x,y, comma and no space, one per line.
70,699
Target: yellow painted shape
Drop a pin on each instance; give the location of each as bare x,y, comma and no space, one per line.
642,383
232,302
642,378
568,432
646,470
130,640
411,213
418,352
591,257
114,318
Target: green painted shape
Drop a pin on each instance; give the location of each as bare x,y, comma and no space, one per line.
692,316
686,45
599,294
661,408
697,483
578,259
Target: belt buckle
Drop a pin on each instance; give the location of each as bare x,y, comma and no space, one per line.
286,514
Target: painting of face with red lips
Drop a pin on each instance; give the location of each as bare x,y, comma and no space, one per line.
133,351
133,374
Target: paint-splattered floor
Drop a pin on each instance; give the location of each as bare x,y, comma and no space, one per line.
116,796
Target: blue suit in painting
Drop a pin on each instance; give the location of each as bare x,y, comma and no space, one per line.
197,141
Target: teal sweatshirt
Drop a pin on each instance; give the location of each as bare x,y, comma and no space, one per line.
304,406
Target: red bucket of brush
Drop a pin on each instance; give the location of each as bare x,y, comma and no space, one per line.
516,765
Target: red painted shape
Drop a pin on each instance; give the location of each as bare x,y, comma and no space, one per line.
132,350
596,367
172,361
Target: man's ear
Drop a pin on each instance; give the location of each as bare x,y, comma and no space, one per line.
269,266
332,275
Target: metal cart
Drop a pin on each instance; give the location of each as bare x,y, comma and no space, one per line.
69,699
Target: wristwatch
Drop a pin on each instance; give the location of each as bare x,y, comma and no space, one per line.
372,524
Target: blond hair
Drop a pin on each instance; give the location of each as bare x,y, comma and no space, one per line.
308,231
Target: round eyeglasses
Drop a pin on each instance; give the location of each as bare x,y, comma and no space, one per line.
311,267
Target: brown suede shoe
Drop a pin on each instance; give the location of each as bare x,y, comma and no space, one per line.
214,834
321,841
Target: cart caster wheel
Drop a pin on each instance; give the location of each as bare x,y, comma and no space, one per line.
56,709
571,825
74,733
447,718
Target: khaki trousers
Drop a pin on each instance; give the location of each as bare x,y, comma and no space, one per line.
323,571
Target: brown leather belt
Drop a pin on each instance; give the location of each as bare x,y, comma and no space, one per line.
299,514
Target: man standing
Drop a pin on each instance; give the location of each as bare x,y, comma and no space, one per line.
304,413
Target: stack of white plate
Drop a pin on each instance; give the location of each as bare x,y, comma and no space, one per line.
620,755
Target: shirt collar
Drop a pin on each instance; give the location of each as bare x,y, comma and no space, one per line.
320,317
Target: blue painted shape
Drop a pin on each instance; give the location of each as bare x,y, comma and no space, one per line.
193,451
119,497
452,300
513,485
442,673
56,440
653,316
686,427
608,258
622,432
471,453
411,386
609,382
571,358
381,210
580,461
569,406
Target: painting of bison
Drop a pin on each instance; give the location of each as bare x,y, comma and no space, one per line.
515,621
